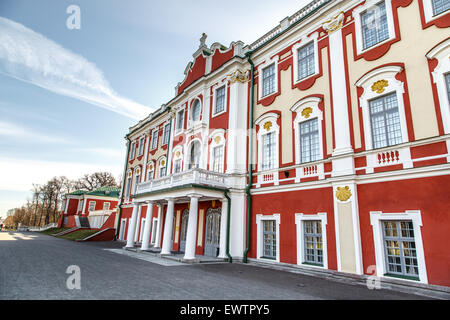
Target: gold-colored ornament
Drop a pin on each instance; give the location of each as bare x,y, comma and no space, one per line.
178,154
163,162
344,193
379,86
217,139
239,76
213,203
334,24
307,112
151,166
268,125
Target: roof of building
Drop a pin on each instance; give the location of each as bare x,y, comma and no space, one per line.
106,191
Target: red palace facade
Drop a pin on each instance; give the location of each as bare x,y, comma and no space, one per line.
323,145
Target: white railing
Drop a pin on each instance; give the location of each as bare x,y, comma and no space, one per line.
309,171
267,177
389,157
287,22
193,176
46,227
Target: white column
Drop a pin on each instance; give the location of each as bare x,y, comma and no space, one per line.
223,229
168,228
147,227
159,227
138,225
191,234
132,226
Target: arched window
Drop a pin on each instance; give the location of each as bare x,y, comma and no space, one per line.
196,108
194,155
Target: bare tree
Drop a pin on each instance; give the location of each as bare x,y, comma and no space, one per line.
96,180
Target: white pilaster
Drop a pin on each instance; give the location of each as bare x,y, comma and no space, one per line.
191,228
159,227
147,227
223,229
132,226
168,227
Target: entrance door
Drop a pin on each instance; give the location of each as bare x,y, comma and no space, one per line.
141,234
184,223
154,228
123,225
212,237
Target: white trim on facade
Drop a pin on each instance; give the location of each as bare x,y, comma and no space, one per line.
259,234
376,218
305,40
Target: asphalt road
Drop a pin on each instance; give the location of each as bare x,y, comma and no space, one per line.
33,266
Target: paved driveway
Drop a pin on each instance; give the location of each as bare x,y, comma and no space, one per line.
33,266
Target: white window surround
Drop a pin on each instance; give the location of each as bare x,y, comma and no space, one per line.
299,219
178,114
305,41
106,204
160,165
358,11
376,219
153,233
215,135
442,54
192,123
261,67
151,169
123,226
132,150
91,206
384,73
164,137
187,155
154,131
259,234
141,146
268,117
313,103
214,101
177,150
428,11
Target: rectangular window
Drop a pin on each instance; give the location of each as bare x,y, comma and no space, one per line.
374,25
136,182
154,139
218,159
162,172
180,120
220,99
309,141
268,82
132,150
440,6
306,63
127,193
150,175
106,205
400,248
269,239
91,206
268,161
166,133
141,146
177,166
385,121
313,248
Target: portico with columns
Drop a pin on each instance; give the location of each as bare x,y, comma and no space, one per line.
195,216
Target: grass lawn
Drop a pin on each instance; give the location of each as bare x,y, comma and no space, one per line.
53,231
79,234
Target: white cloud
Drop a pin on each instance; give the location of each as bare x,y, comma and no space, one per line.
31,57
19,174
15,131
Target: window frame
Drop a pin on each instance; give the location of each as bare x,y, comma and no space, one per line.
261,67
376,219
132,150
181,112
154,139
225,97
387,73
305,41
104,204
428,11
260,218
191,111
357,15
300,218
91,202
141,146
274,128
166,133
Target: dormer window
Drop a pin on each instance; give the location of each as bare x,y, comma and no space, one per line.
196,108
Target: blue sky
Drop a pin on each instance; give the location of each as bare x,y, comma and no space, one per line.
68,97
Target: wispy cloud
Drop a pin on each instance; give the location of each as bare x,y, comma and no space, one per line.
31,57
13,130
